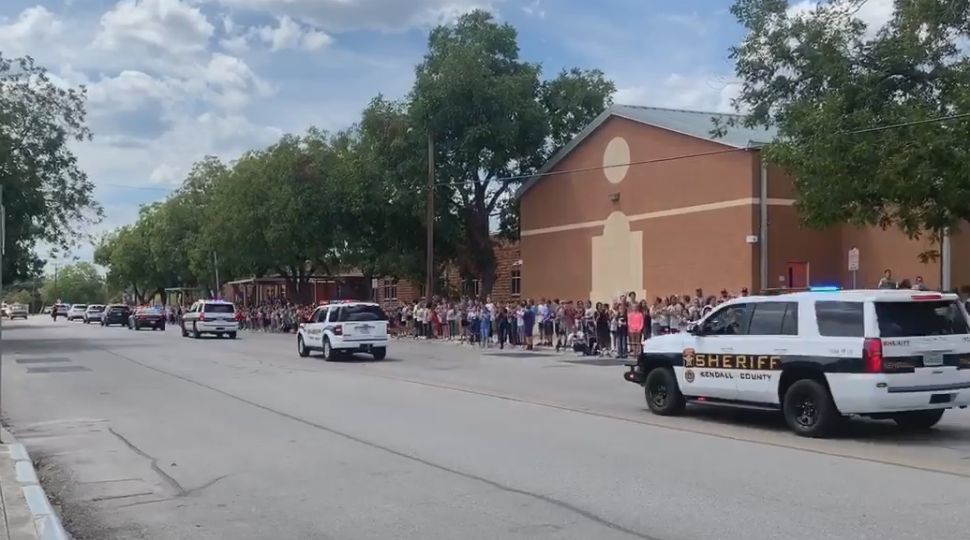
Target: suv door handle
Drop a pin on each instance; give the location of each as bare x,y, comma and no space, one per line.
781,351
727,349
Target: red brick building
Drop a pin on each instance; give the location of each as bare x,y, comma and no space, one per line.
507,287
647,200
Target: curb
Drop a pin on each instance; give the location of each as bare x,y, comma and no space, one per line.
46,523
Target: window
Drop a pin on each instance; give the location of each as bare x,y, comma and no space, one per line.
361,313
390,289
472,287
840,319
219,308
516,285
774,319
727,321
910,319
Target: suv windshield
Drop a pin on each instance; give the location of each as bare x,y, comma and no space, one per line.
117,309
361,313
914,319
80,306
218,308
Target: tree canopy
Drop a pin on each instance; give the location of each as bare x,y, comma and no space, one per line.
324,203
78,283
46,194
872,122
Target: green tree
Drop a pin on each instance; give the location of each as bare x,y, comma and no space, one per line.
491,117
832,86
79,283
383,194
277,211
18,297
46,194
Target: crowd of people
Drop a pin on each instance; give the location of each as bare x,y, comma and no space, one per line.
613,328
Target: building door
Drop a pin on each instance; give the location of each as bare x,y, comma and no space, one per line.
797,275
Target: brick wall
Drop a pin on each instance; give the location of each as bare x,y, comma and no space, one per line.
508,256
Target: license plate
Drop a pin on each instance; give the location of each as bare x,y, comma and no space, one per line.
363,330
933,359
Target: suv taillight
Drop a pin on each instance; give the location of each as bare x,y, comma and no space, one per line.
338,330
872,355
202,316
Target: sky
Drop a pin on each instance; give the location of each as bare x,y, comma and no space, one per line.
171,81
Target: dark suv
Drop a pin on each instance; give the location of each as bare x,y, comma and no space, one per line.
116,314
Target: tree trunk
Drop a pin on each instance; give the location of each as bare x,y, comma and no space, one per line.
480,249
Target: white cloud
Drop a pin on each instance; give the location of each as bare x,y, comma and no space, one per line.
341,15
34,26
161,26
711,93
535,9
289,34
874,13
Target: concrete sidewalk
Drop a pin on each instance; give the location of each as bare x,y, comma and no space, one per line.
26,512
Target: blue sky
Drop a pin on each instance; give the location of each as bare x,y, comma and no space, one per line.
173,80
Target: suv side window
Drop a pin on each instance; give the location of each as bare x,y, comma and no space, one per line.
320,315
840,319
774,319
333,314
727,321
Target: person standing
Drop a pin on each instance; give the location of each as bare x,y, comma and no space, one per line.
622,332
887,281
504,327
528,324
635,325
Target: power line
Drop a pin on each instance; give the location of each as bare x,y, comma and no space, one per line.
602,167
907,124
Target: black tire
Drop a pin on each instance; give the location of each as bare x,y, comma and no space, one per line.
809,409
379,353
232,335
663,395
87,321
328,354
195,332
301,347
185,333
918,420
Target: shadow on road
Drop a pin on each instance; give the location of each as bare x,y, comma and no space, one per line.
855,428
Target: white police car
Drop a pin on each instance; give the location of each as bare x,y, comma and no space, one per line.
818,357
216,317
344,328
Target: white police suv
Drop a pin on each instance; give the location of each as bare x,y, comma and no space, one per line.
818,357
344,328
216,317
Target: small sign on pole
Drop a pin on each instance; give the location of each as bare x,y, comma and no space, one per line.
854,264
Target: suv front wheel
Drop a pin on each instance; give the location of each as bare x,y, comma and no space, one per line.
809,409
663,395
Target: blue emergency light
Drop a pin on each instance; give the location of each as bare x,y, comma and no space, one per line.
825,288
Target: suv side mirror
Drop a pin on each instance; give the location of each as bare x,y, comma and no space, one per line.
695,329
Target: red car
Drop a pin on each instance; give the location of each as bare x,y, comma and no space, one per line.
146,317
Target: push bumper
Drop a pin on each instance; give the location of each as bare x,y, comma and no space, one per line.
634,374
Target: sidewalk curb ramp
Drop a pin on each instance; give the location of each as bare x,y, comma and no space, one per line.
29,514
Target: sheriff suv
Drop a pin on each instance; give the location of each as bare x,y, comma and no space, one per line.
215,317
818,357
344,328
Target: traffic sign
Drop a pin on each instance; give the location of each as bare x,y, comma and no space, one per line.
854,260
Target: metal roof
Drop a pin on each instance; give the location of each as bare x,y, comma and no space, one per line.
696,124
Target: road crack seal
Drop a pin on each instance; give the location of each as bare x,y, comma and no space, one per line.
169,479
410,457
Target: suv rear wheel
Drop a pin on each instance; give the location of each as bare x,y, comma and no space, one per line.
662,393
301,347
328,353
919,420
809,409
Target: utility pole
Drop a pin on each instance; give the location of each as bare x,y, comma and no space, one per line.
215,264
429,285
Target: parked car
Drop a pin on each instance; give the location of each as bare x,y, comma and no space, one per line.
146,317
116,314
94,313
77,312
17,311
60,310
47,310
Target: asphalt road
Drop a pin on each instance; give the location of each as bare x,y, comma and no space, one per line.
149,435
